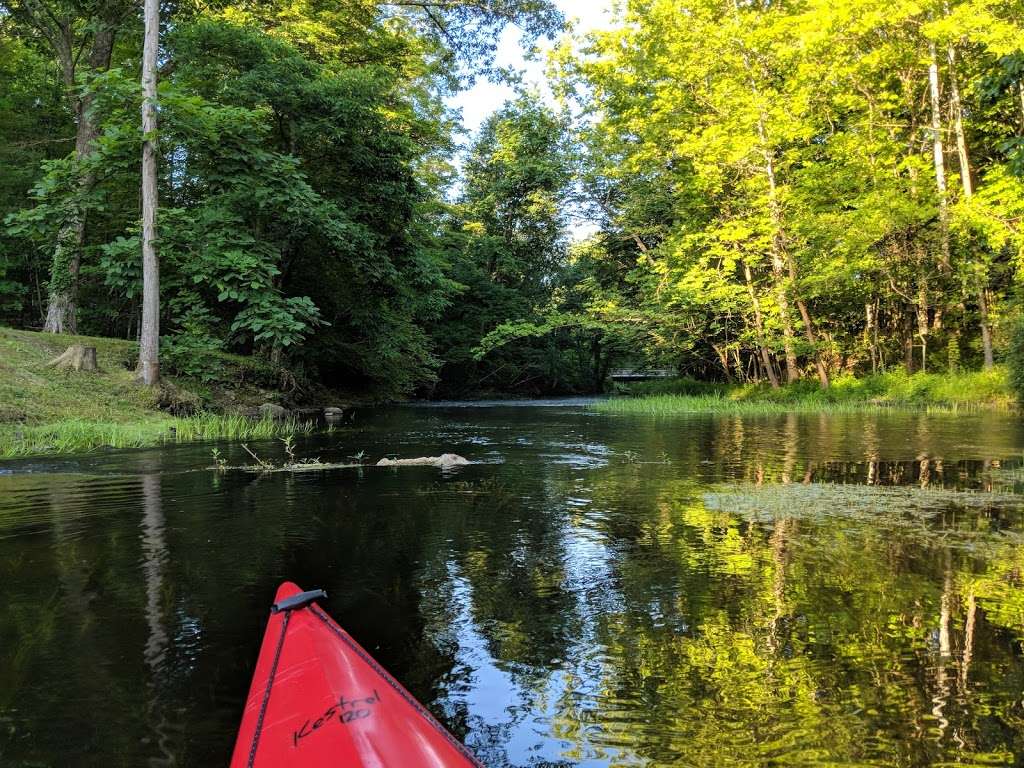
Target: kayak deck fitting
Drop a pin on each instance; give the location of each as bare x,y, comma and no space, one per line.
318,699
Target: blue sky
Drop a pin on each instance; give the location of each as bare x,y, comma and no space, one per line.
485,97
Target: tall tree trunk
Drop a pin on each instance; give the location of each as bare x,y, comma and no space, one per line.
723,358
809,334
908,344
779,257
149,338
759,328
792,369
778,240
922,315
938,154
871,332
958,124
981,278
738,363
62,303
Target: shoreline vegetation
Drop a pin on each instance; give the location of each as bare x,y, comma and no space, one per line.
48,411
81,436
928,392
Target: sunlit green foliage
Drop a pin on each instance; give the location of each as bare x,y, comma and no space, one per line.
783,191
770,169
933,392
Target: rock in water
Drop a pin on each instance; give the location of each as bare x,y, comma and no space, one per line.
271,411
333,414
76,358
444,461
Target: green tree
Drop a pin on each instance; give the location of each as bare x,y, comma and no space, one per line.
81,38
787,200
509,248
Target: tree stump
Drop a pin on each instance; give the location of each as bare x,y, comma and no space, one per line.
76,358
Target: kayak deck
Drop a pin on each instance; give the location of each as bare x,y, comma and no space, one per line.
318,699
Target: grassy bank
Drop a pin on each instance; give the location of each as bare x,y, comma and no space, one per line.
948,393
44,410
77,435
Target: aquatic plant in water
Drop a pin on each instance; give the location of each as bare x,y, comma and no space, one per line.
930,514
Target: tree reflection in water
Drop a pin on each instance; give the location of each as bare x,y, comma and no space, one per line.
599,591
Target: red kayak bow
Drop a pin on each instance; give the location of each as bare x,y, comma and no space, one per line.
318,699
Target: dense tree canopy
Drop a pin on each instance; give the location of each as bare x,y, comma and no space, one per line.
810,186
783,190
305,156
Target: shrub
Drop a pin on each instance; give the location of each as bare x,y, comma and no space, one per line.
679,386
193,356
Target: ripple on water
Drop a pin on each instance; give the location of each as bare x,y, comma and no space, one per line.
735,592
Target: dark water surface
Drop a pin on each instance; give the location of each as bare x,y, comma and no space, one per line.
597,591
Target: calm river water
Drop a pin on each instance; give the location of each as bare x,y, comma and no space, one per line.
595,591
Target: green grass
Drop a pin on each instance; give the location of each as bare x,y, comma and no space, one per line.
936,392
33,393
77,435
45,411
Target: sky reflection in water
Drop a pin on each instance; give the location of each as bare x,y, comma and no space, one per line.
598,591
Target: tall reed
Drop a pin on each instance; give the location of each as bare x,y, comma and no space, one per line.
75,436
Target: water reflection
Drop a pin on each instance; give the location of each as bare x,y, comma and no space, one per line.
154,552
603,591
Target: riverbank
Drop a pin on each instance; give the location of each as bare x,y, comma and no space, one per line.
938,392
46,410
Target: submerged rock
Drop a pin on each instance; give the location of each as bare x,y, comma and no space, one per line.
444,461
334,414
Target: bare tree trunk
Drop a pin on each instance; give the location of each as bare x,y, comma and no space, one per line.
939,158
759,328
812,338
778,240
958,124
739,364
922,318
965,178
870,333
908,344
723,358
148,372
779,259
62,303
792,369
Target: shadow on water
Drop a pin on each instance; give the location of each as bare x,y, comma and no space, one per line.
596,591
